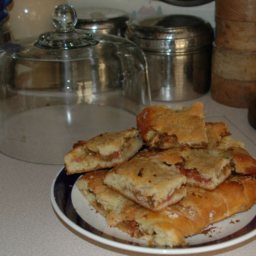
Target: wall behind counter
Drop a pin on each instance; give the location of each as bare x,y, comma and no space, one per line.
139,9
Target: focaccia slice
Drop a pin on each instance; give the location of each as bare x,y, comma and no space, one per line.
103,151
106,201
163,127
126,215
206,168
171,226
149,181
220,137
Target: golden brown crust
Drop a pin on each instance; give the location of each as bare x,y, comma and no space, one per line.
103,151
215,132
219,137
172,225
162,127
201,207
106,201
148,180
244,162
206,168
178,184
172,156
126,215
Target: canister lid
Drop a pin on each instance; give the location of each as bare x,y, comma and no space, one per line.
101,18
172,33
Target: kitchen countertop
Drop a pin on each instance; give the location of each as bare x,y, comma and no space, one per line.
30,227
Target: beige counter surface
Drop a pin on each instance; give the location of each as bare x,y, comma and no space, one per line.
29,226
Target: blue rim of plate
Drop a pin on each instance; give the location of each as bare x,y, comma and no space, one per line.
61,201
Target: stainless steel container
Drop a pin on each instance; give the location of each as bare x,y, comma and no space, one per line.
178,51
103,20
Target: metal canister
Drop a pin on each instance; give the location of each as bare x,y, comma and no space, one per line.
103,20
178,50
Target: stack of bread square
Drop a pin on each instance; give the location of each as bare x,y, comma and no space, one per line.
168,178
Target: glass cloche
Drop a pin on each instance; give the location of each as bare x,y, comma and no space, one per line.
67,85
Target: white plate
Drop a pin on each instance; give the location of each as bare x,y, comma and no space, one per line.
73,209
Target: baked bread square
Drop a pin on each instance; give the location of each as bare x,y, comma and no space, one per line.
206,168
148,181
220,137
171,226
215,132
103,151
126,215
162,127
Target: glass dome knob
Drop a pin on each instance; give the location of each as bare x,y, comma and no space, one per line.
65,36
64,18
